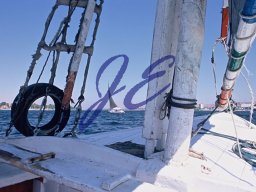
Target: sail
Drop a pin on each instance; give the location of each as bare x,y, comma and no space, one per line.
112,103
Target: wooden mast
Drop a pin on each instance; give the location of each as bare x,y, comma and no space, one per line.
76,58
165,41
188,60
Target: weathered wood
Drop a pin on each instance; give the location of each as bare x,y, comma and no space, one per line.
85,26
188,60
14,153
80,3
66,48
41,157
77,56
164,43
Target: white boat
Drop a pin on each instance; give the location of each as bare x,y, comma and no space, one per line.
178,153
113,108
116,110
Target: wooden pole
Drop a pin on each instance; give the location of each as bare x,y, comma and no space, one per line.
164,43
188,60
79,49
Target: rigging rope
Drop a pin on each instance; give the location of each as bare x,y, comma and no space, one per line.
223,41
62,31
166,106
42,110
201,124
252,97
247,148
244,149
233,120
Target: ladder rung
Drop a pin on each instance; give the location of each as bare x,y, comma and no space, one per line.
66,48
80,3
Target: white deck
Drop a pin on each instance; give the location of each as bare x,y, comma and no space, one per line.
85,164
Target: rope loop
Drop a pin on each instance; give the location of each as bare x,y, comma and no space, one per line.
178,102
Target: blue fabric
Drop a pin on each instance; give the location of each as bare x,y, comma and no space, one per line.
249,10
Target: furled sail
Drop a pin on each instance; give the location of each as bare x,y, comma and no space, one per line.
242,34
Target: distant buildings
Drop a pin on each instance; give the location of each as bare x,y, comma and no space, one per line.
244,105
207,107
239,106
4,106
34,106
201,106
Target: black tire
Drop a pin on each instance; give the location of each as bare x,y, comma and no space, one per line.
22,103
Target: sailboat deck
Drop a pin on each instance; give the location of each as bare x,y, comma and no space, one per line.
221,165
86,164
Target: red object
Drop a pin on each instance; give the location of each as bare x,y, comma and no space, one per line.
224,96
224,23
68,90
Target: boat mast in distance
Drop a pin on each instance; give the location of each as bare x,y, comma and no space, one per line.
113,108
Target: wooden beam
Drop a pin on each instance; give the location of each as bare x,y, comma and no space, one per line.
77,56
165,39
188,59
66,48
80,3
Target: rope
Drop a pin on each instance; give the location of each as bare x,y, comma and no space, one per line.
62,30
9,129
166,106
201,124
244,149
247,147
40,117
35,58
219,40
169,102
38,54
237,140
252,97
97,22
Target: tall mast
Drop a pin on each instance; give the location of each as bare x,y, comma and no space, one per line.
242,39
188,60
165,41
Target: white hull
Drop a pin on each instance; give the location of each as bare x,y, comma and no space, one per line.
85,164
116,110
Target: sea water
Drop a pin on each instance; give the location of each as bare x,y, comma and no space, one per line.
105,122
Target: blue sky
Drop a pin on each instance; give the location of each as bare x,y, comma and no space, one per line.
126,28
